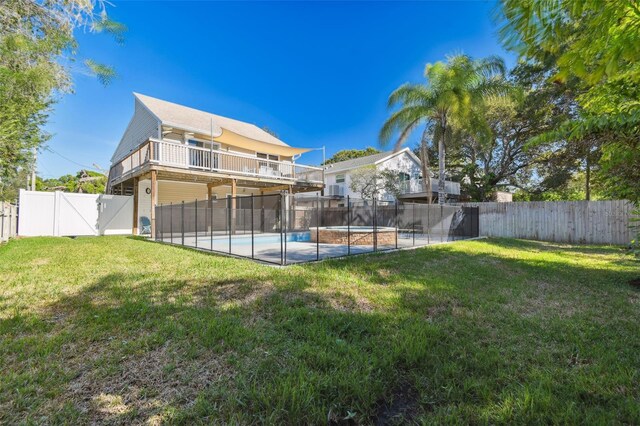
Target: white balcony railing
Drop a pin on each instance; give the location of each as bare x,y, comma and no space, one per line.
191,157
415,186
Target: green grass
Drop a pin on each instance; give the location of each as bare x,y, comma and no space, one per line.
118,330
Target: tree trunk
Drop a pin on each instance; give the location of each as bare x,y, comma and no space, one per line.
424,161
441,194
587,189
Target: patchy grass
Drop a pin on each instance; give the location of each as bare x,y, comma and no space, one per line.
119,330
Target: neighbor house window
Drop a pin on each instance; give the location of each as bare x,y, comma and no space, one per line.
267,156
340,178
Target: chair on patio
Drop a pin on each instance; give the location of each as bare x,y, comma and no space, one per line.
145,225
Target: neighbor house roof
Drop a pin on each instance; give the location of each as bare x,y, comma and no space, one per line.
191,119
363,161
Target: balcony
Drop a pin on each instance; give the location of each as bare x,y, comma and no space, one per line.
415,186
180,156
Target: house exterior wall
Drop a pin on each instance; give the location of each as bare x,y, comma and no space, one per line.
143,125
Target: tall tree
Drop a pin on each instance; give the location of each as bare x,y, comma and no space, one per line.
441,104
598,43
37,48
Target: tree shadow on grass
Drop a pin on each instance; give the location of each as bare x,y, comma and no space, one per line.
133,348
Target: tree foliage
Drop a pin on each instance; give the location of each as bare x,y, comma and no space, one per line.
372,182
37,56
598,44
350,154
85,181
444,102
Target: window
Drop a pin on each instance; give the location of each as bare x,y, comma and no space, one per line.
404,176
340,178
202,144
267,156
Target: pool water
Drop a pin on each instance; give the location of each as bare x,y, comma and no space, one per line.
265,239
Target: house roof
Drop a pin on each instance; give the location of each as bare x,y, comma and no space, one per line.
183,117
363,161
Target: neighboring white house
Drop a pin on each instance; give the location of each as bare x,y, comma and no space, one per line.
337,176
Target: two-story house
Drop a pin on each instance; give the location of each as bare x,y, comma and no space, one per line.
404,162
171,153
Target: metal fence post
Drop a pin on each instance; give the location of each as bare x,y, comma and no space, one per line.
413,224
196,220
318,227
211,220
171,222
441,222
252,250
229,215
182,223
281,239
375,225
159,234
284,218
348,225
428,223
396,204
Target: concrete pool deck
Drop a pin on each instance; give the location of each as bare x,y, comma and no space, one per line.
296,251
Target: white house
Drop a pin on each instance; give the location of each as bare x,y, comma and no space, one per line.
338,176
171,153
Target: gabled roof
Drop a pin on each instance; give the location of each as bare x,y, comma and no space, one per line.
369,160
191,119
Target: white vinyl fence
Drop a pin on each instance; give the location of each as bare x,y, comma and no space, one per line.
584,222
8,221
68,214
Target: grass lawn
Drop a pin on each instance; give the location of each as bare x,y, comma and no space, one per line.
119,330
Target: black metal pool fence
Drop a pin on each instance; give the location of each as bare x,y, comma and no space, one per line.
285,229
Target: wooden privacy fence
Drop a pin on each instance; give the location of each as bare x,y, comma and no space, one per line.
8,221
584,222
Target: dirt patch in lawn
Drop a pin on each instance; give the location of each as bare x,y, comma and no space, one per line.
635,283
400,408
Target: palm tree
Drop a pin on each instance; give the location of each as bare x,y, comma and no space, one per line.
441,104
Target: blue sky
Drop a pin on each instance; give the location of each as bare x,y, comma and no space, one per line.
316,73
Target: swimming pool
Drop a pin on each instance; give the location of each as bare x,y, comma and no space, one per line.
264,239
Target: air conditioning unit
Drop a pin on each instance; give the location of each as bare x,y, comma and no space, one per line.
336,190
